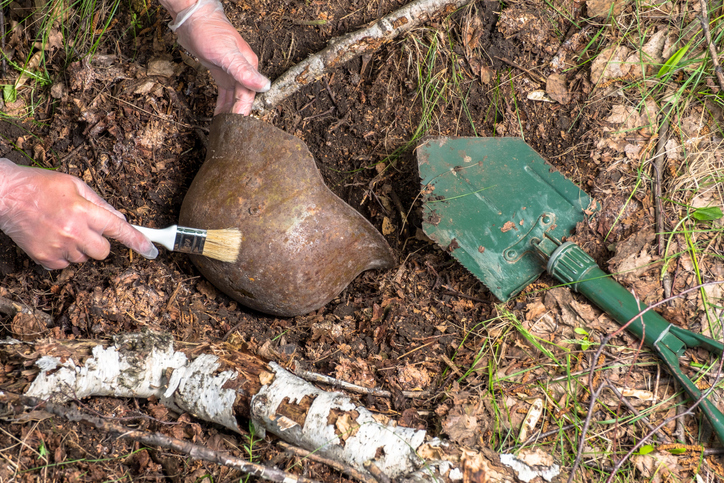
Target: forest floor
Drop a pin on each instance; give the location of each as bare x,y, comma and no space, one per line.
132,119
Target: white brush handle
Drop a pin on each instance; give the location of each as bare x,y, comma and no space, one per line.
163,236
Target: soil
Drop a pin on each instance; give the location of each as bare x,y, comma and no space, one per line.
136,134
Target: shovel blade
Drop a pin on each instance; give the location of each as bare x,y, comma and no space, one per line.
485,199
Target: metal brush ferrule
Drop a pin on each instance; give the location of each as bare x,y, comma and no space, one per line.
189,240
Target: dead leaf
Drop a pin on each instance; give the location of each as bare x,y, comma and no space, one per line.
160,67
557,88
602,8
411,378
531,419
534,310
658,465
32,66
610,64
536,457
355,371
206,289
539,95
637,393
462,423
387,227
633,256
486,74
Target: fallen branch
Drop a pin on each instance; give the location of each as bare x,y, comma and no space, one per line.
148,438
220,384
704,18
347,47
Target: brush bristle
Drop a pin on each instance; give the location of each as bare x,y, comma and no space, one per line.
223,245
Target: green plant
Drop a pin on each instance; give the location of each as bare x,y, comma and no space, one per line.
251,440
585,342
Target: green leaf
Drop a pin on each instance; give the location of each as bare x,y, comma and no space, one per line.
677,450
710,213
42,450
673,61
9,93
646,449
580,331
585,345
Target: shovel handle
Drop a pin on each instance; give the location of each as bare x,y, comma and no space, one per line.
573,266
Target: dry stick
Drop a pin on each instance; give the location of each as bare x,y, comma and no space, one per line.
540,436
704,18
2,40
658,175
658,205
595,395
157,439
680,429
348,386
304,454
535,76
12,308
635,411
347,47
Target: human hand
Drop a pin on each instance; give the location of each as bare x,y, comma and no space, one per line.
57,219
204,30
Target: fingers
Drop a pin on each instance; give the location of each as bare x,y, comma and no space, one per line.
87,192
105,223
246,75
224,101
114,226
237,101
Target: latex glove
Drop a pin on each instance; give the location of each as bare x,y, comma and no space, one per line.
57,219
204,30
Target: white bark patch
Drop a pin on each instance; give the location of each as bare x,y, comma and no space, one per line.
136,366
390,448
526,472
108,372
201,392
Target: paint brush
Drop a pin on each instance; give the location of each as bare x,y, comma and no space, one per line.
217,244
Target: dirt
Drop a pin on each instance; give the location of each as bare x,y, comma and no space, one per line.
138,140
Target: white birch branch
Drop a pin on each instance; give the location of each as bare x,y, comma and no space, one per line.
347,47
219,384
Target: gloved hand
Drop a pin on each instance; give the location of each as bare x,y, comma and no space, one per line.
57,219
204,30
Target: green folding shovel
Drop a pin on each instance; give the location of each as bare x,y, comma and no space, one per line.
502,212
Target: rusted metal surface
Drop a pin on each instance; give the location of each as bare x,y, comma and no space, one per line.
301,244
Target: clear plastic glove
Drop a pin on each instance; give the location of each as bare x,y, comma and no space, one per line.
57,219
204,30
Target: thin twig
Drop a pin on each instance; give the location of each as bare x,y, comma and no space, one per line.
2,40
195,451
304,454
680,430
540,436
535,76
704,18
348,386
635,411
659,164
